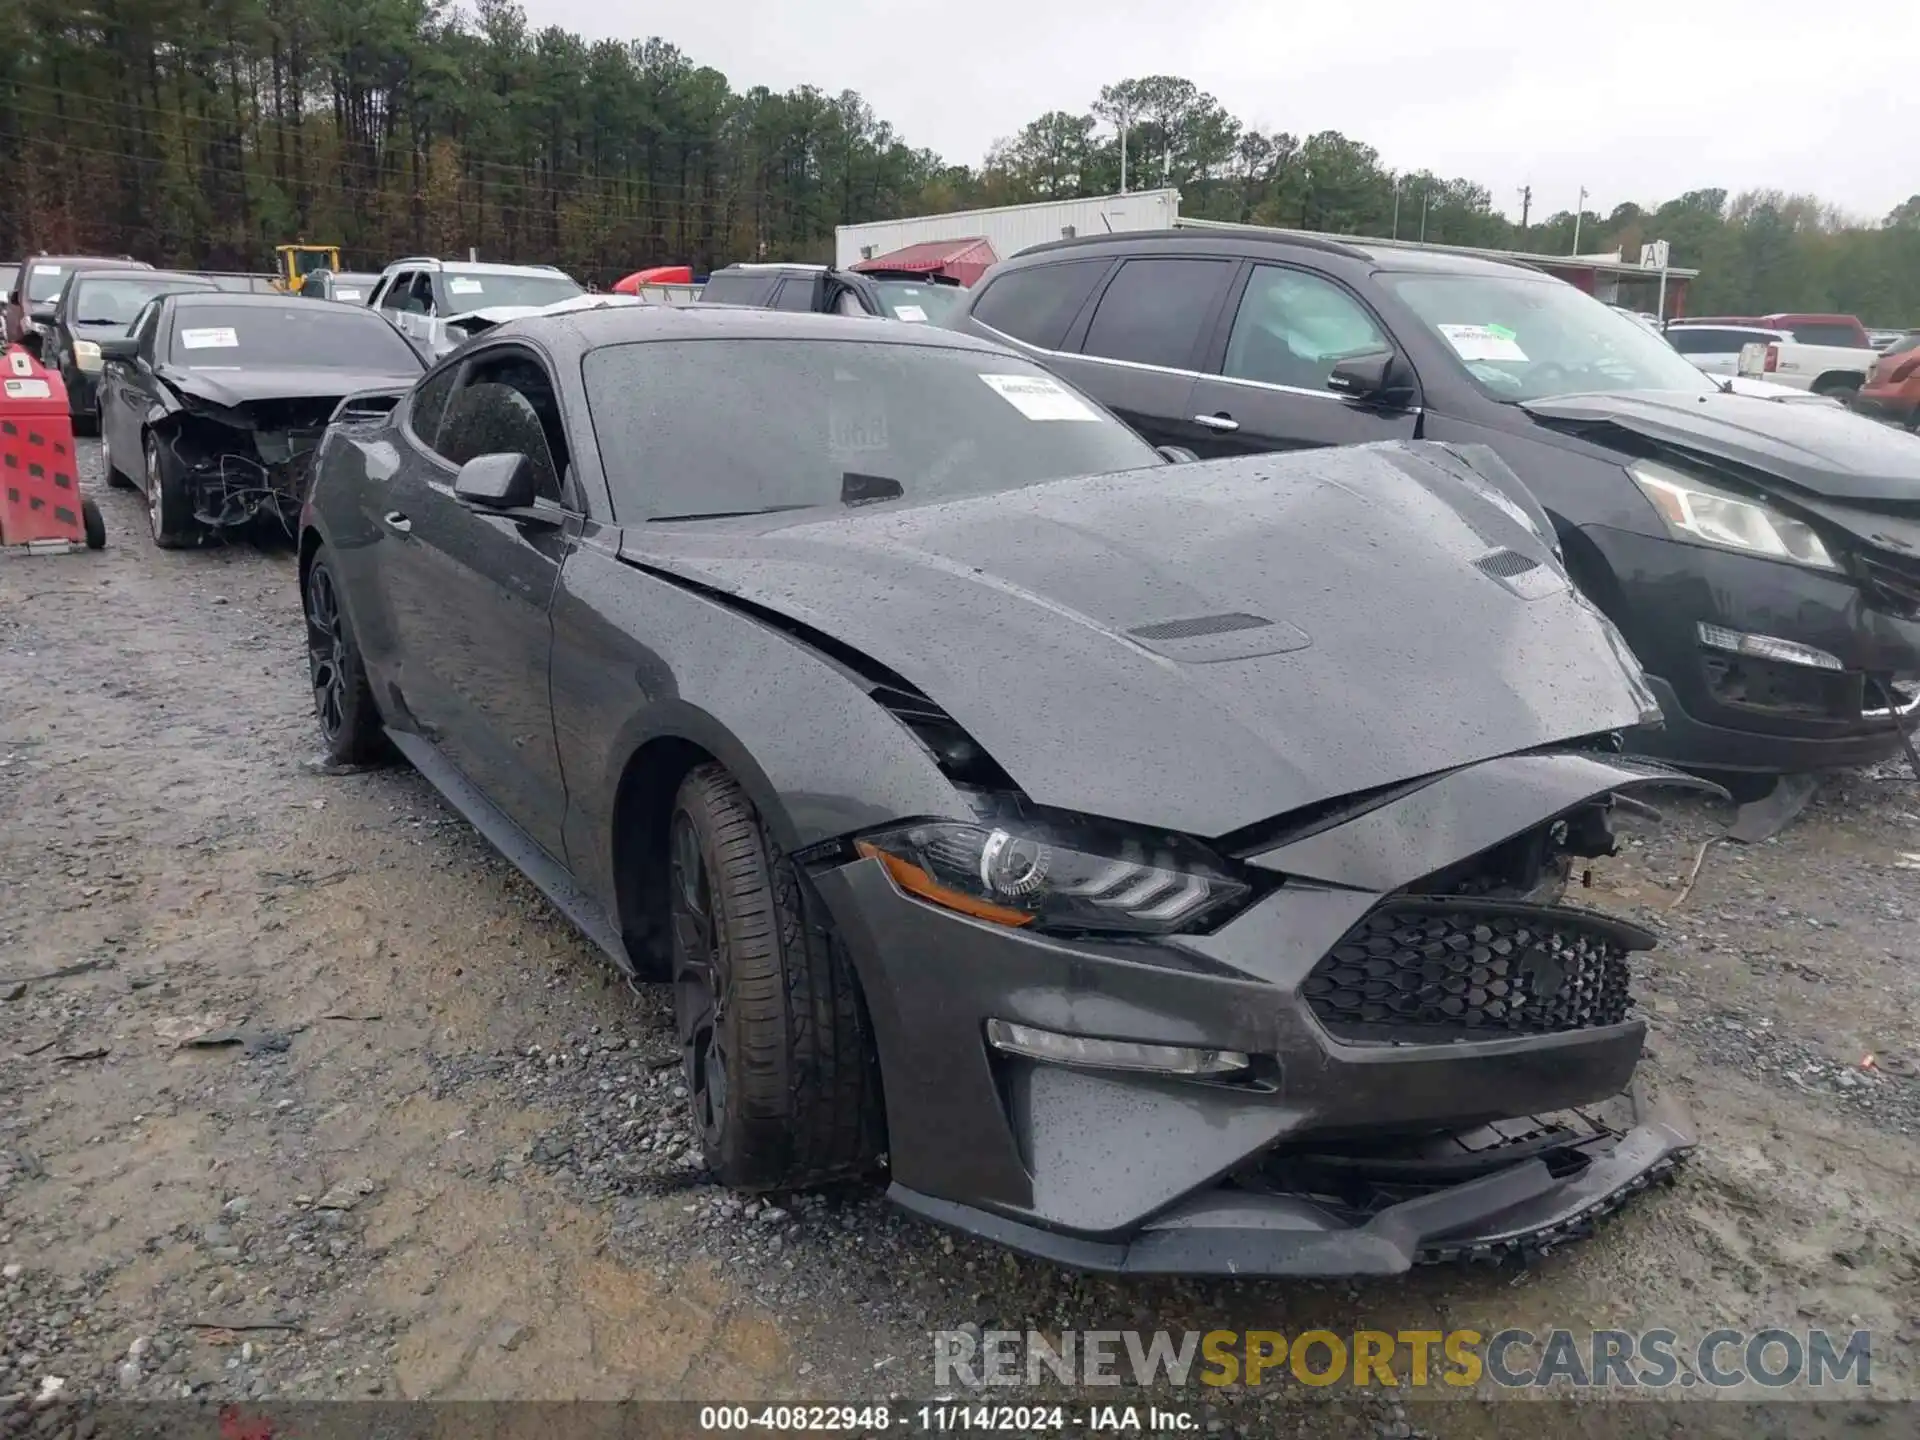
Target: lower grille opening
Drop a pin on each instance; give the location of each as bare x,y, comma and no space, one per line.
1422,971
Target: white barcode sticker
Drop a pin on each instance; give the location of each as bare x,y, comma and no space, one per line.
220,338
1038,398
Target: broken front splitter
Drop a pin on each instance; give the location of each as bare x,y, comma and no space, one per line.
1380,1211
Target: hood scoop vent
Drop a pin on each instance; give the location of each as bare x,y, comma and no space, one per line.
1206,639
1522,574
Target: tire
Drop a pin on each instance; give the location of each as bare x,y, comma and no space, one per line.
781,1072
85,422
95,523
343,706
169,516
116,477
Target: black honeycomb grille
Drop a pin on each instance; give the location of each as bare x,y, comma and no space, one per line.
1413,969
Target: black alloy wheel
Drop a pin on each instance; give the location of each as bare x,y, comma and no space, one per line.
326,654
350,725
778,1053
701,980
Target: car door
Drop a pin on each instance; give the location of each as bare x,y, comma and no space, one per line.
1269,361
114,407
136,391
469,590
1137,349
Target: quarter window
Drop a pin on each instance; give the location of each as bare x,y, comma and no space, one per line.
1293,327
1037,305
428,405
1153,312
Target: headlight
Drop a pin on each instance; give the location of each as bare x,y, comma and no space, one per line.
1068,876
86,355
1695,510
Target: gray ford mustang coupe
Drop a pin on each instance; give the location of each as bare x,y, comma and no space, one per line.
1153,866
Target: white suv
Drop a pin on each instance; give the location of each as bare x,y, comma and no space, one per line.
422,295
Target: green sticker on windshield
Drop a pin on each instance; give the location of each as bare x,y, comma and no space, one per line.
1500,332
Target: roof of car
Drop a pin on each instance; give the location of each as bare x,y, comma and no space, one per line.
1258,240
245,299
473,267
134,272
591,329
95,261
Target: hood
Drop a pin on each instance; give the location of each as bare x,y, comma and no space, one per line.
243,386
1202,646
1824,451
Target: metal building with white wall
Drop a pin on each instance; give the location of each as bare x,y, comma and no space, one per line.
1011,228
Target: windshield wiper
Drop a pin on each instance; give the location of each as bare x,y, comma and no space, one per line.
84,320
723,514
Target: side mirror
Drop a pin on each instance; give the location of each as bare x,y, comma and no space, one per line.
1176,454
1381,377
42,314
121,347
500,481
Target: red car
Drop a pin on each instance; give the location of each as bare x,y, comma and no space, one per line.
1892,391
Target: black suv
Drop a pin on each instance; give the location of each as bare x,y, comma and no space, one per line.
1757,556
891,295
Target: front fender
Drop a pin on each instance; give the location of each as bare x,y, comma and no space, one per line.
638,659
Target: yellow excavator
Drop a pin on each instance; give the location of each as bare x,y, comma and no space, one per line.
299,260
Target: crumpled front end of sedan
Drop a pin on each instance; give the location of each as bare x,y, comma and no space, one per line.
1308,996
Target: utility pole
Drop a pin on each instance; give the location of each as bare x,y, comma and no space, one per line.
1425,193
1526,206
1396,205
1578,209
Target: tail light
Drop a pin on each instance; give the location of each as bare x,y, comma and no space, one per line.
1773,358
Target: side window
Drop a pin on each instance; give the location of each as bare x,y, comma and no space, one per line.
505,403
1153,311
848,303
1293,326
420,301
1703,342
429,406
795,293
1038,304
394,297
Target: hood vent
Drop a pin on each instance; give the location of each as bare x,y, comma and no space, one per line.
1206,639
1522,574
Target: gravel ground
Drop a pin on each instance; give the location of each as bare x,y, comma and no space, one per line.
304,1094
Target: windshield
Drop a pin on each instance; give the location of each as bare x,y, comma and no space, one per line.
1527,339
299,335
116,302
716,427
481,292
44,282
917,301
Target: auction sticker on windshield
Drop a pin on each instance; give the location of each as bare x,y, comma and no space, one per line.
221,338
1482,342
462,286
346,294
1039,398
909,312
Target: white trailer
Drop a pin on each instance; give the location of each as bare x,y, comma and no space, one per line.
1012,228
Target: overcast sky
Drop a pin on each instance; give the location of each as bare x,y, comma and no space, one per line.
1634,102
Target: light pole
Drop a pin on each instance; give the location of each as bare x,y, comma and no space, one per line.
1396,205
1578,209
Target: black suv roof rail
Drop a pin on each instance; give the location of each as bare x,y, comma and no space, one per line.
1256,233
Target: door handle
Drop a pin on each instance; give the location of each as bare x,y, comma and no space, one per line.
1217,422
396,521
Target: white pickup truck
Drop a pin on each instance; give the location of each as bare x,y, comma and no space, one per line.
1828,355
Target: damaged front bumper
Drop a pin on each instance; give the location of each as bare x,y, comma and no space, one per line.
1434,1073
235,475
1511,1190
